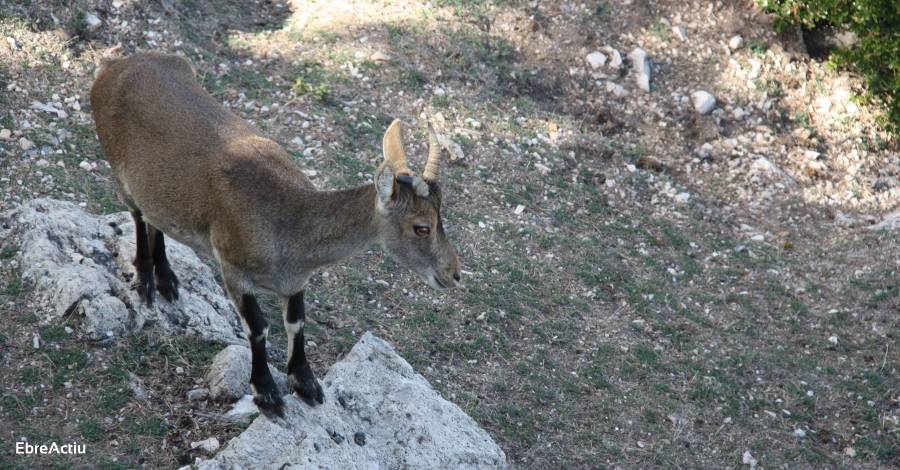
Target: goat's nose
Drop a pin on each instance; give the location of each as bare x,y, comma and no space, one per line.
456,276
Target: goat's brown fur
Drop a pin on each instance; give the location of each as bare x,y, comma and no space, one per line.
188,167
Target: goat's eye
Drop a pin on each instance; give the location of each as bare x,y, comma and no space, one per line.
422,230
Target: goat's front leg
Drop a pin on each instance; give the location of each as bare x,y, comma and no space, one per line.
265,391
302,380
143,260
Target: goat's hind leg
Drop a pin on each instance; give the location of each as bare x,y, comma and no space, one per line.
166,281
300,375
143,259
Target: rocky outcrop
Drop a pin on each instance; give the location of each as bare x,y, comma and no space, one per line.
378,413
80,264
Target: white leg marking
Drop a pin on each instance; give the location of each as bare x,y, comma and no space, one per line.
262,336
292,329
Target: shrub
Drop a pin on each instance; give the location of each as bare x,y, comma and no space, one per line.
876,56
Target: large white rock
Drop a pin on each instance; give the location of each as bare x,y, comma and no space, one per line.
76,263
378,414
641,66
703,101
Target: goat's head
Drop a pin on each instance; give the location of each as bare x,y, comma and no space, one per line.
409,212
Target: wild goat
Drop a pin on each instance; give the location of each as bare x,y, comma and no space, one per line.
188,168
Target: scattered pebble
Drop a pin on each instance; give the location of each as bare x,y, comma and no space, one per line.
379,56
92,21
5,134
748,459
850,452
703,101
641,66
617,90
680,32
735,42
198,394
833,339
799,433
519,209
25,144
596,59
360,438
207,445
615,58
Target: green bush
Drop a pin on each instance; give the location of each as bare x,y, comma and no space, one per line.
876,56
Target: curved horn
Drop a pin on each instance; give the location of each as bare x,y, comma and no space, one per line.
433,165
392,146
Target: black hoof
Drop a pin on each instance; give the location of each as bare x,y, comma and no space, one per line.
145,287
307,388
167,283
270,404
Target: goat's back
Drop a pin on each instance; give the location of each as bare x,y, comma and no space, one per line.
180,157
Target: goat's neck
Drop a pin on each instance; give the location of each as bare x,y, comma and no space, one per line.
335,224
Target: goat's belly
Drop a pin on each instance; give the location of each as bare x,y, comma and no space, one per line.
195,240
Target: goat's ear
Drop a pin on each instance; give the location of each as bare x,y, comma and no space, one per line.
385,184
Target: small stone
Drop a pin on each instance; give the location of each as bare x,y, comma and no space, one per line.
682,198
758,237
198,394
92,21
596,59
360,438
680,32
641,66
735,42
243,409
833,339
439,91
337,437
5,134
703,101
615,59
85,165
617,90
850,452
519,209
25,144
208,445
379,56
37,105
748,459
117,4
799,433
542,169
179,370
